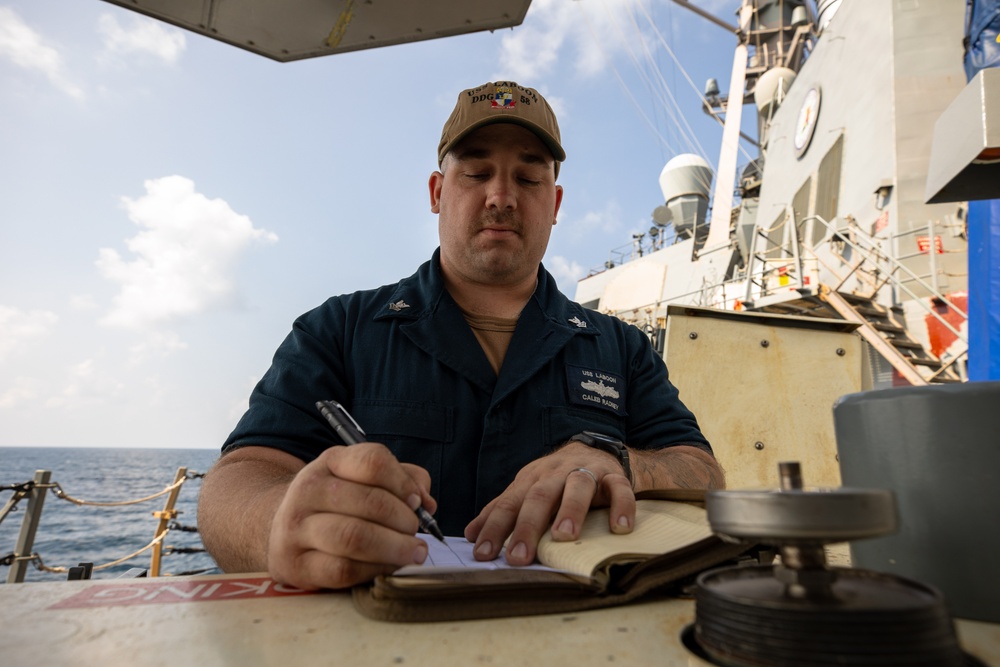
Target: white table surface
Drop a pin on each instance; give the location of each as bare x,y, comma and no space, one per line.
238,620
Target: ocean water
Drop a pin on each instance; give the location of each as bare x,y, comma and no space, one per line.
70,534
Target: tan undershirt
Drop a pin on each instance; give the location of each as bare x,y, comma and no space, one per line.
493,334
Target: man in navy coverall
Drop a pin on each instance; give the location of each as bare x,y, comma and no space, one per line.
488,397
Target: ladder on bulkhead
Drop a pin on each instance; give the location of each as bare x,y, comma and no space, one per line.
883,329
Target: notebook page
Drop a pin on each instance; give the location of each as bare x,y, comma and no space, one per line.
458,557
660,527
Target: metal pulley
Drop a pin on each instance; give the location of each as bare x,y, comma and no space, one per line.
793,515
802,612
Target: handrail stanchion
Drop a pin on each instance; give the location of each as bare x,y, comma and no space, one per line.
932,255
29,526
165,516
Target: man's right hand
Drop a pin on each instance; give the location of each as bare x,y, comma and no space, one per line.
338,521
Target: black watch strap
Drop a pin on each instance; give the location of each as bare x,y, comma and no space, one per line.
611,445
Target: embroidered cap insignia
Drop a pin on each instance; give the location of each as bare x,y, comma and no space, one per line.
398,306
578,322
503,98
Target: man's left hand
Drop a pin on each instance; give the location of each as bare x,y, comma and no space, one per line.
565,485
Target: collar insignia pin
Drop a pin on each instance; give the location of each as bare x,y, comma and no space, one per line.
398,306
578,322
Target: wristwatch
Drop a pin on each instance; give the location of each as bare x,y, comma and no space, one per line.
609,444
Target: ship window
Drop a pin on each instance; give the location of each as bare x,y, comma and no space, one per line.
828,186
592,305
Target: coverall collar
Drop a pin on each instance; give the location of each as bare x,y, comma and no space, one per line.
425,308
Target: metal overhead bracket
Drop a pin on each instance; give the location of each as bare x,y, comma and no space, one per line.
285,30
965,152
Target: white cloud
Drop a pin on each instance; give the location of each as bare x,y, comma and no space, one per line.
242,404
26,48
594,31
142,35
185,255
24,389
605,221
18,327
566,273
86,385
155,391
82,302
532,49
156,344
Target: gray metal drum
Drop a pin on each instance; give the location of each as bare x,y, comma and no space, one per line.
938,448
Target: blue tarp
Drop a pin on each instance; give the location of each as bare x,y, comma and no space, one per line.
982,35
984,290
982,50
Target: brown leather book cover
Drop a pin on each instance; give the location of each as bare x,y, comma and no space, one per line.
670,543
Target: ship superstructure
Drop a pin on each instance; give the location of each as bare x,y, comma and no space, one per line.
828,216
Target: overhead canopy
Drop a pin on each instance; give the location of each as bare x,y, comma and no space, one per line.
294,29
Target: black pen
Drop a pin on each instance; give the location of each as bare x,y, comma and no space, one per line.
350,432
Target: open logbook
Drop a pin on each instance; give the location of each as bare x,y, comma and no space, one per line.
671,541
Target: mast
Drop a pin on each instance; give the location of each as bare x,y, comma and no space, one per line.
776,31
722,202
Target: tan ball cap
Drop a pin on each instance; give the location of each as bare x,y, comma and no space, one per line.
502,102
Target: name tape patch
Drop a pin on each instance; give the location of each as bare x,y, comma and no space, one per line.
596,388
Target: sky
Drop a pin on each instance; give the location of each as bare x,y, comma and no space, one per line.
169,204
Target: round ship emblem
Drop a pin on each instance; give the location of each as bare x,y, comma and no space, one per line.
805,125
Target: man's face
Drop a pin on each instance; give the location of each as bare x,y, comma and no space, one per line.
497,202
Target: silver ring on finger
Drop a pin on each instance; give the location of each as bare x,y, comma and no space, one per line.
588,472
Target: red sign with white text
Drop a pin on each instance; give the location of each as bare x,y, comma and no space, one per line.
924,245
165,591
881,223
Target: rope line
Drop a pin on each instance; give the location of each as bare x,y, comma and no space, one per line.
22,489
95,503
39,564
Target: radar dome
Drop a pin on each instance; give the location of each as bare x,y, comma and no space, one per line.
772,86
686,174
686,183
